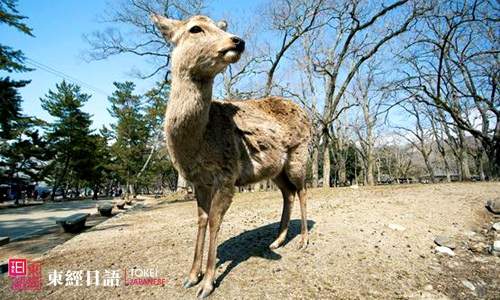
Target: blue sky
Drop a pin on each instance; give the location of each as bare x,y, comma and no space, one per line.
58,27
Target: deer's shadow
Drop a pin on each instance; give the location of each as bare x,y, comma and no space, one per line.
254,243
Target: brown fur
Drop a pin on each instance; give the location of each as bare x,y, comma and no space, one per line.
220,145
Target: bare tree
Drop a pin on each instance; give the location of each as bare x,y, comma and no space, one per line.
421,137
395,159
370,99
440,139
292,19
454,66
357,31
308,97
456,142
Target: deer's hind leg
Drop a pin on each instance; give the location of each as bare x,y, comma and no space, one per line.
288,191
295,169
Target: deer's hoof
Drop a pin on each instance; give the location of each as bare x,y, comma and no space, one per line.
205,291
303,243
188,283
276,244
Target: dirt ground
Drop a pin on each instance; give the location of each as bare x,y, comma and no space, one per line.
353,253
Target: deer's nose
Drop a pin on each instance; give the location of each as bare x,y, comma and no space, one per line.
239,43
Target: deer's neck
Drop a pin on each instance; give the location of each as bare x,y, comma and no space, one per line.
187,116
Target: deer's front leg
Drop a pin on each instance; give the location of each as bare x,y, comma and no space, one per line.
221,201
203,198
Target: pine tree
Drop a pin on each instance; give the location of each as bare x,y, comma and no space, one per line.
11,61
69,136
158,172
23,158
130,133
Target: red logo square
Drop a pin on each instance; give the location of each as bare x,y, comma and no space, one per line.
18,267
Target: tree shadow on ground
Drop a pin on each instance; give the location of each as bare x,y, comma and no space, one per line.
254,243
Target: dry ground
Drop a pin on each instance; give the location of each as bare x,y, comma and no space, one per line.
353,254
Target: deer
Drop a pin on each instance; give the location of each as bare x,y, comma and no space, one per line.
219,145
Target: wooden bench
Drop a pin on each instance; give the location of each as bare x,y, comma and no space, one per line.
73,223
105,210
4,240
120,204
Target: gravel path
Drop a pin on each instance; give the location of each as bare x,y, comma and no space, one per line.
366,243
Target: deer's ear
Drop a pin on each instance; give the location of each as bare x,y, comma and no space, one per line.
167,27
222,25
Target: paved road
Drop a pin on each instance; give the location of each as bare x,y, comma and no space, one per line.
26,220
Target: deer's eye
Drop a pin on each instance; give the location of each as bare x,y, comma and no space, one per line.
195,29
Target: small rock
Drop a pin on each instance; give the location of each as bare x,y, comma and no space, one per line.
396,227
479,247
495,248
446,250
464,246
445,241
469,285
494,205
496,226
470,233
428,287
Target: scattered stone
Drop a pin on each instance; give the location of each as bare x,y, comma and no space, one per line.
441,249
396,227
464,246
495,248
428,287
469,285
494,205
479,247
496,226
445,241
470,233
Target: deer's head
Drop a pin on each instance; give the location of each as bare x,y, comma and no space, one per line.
202,47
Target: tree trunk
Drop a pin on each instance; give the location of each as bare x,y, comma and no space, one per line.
447,169
326,161
127,191
379,175
464,159
341,162
430,169
370,161
493,155
480,169
315,164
